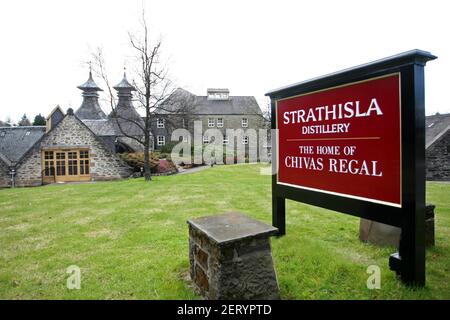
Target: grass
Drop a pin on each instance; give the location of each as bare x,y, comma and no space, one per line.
130,240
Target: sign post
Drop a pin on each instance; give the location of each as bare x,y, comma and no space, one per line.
354,142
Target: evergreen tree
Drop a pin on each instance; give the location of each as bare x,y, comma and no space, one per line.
39,120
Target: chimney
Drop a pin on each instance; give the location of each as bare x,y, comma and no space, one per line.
124,92
90,109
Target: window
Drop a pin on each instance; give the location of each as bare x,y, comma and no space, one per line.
49,168
160,123
186,139
244,122
219,122
84,162
27,133
205,139
66,165
210,122
183,123
60,163
72,163
161,140
245,140
225,139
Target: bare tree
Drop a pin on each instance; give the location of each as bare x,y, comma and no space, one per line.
154,90
24,121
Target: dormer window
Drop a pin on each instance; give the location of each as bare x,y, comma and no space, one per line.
218,94
244,122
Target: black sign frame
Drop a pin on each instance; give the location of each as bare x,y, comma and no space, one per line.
409,262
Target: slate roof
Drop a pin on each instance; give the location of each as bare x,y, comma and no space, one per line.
90,110
16,141
102,127
127,121
234,105
124,84
435,127
202,105
89,85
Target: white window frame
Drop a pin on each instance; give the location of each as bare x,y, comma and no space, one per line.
244,139
225,139
185,139
220,124
244,122
160,123
161,142
210,122
205,139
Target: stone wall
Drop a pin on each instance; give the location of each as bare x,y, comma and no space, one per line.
71,132
438,159
28,172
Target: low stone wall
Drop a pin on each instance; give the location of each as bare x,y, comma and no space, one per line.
438,160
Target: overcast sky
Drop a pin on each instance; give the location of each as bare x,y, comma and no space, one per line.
249,47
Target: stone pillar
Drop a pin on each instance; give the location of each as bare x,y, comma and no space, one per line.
386,235
230,257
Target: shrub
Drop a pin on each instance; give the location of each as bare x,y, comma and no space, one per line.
136,160
167,148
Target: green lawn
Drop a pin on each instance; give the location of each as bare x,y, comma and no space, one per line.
130,240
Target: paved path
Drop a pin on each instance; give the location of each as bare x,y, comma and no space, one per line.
192,170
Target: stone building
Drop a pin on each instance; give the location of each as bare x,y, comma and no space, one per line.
76,146
217,110
66,151
438,147
17,144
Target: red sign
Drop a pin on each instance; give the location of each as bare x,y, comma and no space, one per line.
344,140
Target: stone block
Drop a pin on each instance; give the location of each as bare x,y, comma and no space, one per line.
386,235
230,257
